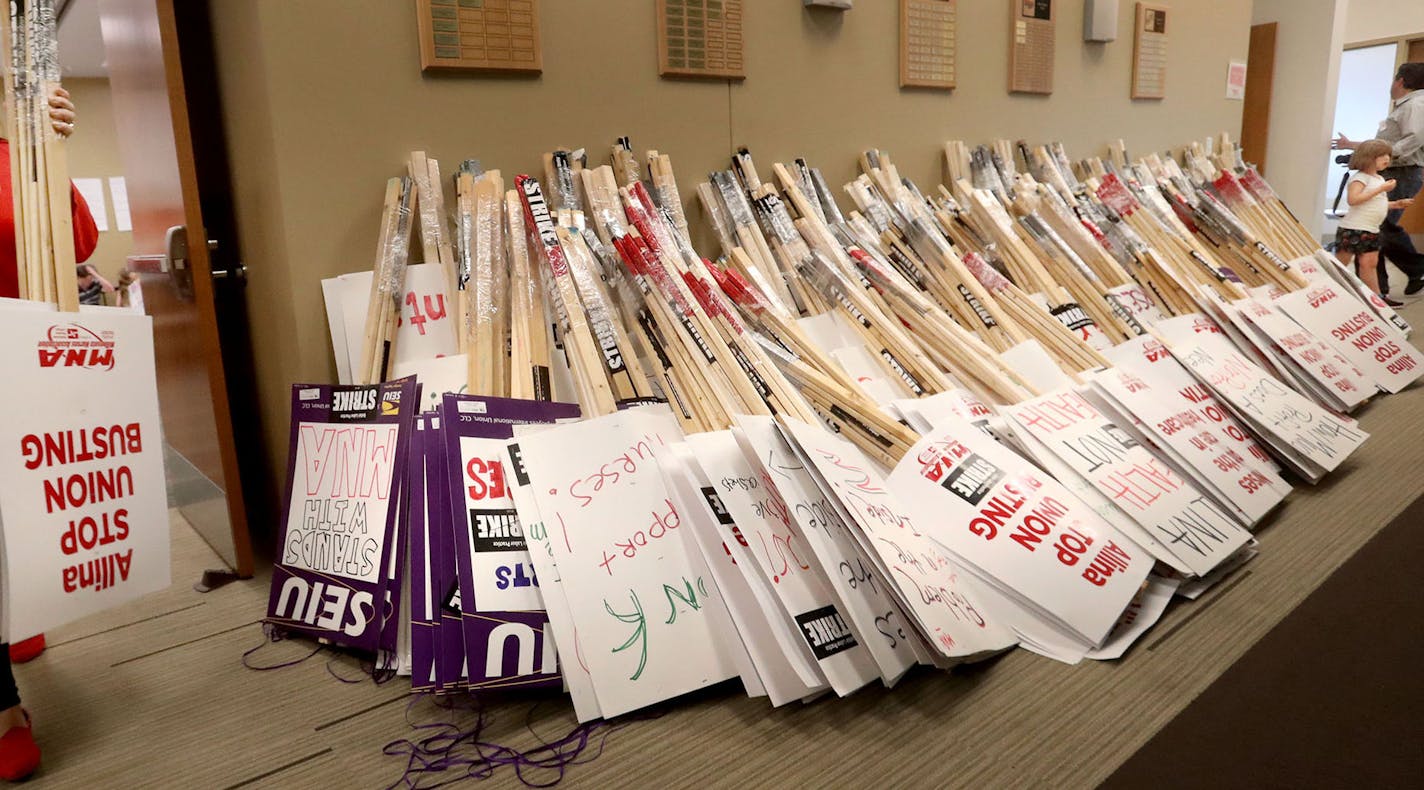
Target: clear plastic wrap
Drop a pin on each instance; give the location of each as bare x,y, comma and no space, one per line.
807,183
716,211
427,206
397,252
489,245
568,195
1257,185
1046,236
775,220
734,199
826,198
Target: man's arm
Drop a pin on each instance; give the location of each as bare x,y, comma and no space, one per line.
1343,143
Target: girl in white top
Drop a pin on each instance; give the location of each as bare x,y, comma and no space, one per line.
1358,235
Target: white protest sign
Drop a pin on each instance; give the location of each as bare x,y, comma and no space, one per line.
790,640
1095,499
870,373
1356,333
341,499
437,376
927,412
1331,267
776,548
1345,383
83,502
426,327
1308,430
1030,360
996,512
651,627
1144,612
1134,306
334,293
859,590
551,588
1183,415
1147,489
503,575
701,511
946,606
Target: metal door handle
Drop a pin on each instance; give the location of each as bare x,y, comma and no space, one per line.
175,249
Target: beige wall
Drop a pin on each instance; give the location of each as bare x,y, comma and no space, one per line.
1369,20
1309,38
94,153
324,99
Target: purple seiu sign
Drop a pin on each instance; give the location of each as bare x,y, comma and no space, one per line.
503,618
347,457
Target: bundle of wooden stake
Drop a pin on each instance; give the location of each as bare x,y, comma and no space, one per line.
39,174
1020,247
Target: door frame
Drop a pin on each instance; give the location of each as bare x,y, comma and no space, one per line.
203,290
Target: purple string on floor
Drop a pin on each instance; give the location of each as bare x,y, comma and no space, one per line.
269,636
449,748
273,634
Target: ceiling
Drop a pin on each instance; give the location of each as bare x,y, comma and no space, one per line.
81,44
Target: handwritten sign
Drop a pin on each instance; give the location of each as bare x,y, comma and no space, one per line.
771,672
499,587
1173,511
562,628
348,445
930,587
1303,430
1354,331
634,583
788,639
998,514
83,507
859,588
1181,414
424,330
769,542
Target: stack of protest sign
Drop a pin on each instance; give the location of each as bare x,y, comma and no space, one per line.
1027,409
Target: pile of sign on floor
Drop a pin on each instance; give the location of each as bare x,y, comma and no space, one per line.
1025,409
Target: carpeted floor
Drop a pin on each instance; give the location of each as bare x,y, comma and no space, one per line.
155,695
1331,697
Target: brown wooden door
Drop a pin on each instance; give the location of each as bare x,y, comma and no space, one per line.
1416,51
155,141
1256,112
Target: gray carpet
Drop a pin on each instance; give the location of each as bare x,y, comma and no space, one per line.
154,694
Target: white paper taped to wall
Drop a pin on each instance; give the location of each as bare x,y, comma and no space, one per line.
93,191
119,191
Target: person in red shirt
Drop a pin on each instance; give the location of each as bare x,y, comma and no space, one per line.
86,233
19,755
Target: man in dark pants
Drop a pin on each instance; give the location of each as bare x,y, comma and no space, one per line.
1404,130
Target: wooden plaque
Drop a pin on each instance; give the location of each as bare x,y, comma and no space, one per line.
1149,52
927,43
480,35
700,38
1031,46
